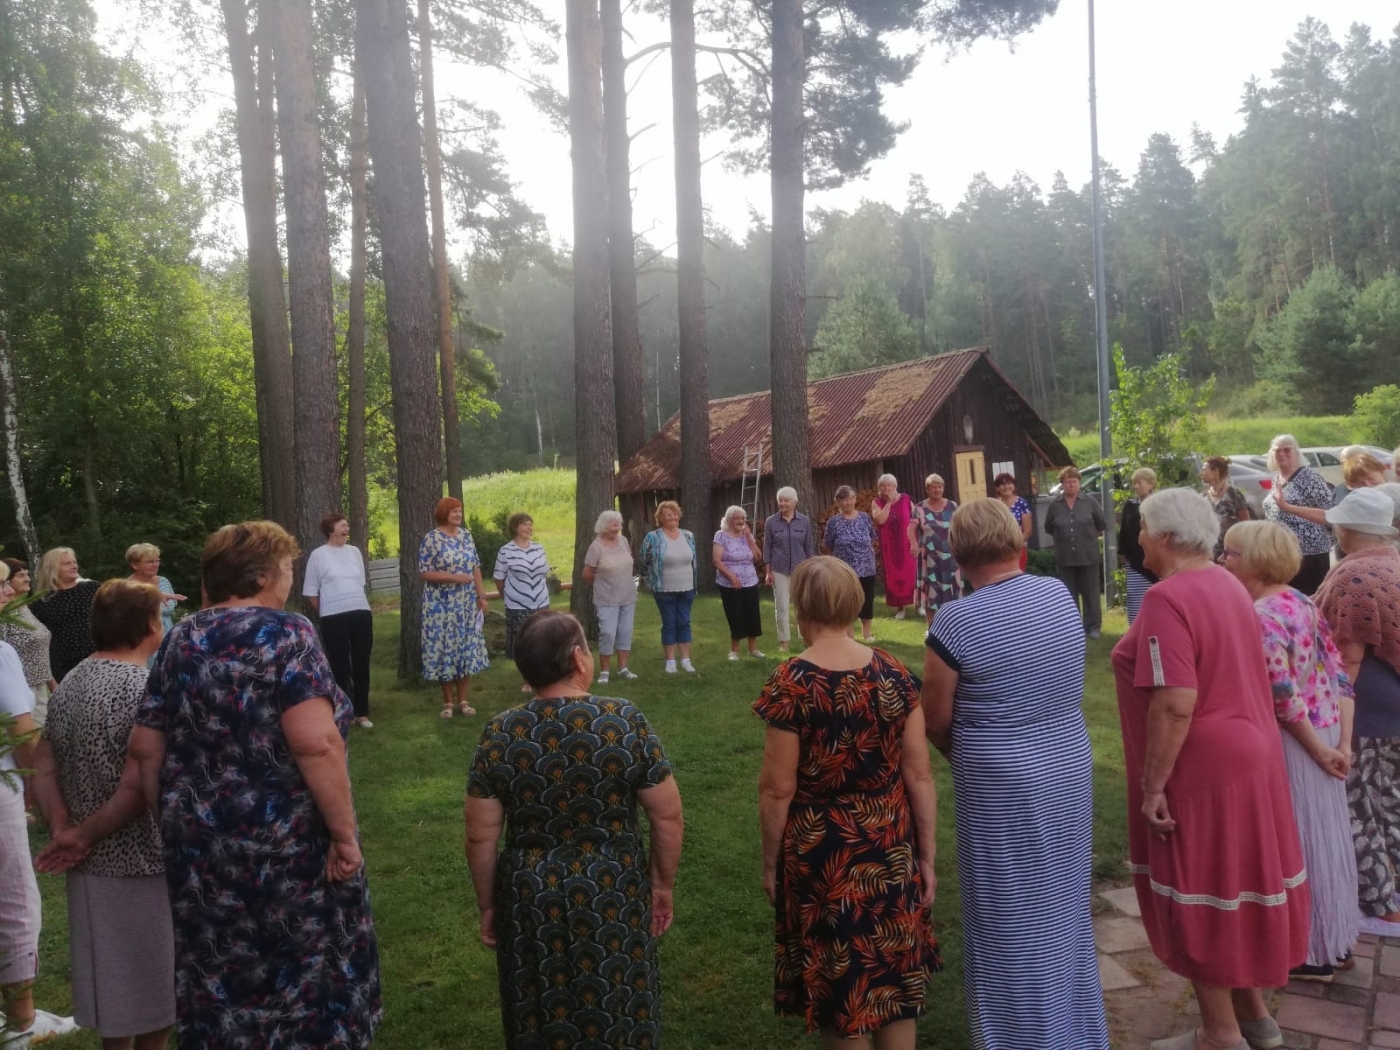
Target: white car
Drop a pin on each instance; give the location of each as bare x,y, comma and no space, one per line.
1326,460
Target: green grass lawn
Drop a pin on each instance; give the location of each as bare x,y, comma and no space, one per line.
409,774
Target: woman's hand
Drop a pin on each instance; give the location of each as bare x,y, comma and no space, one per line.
1279,499
770,884
768,578
343,861
488,927
482,603
1159,816
663,910
930,879
67,850
1333,761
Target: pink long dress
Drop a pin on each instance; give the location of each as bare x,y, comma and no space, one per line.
901,567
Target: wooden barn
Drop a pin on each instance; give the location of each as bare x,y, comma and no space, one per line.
953,414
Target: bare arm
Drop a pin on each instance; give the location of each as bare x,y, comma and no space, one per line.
923,797
434,576
319,753
717,559
1352,652
879,515
481,591
44,789
589,574
486,819
1329,758
662,803
777,784
313,603
147,749
936,700
71,845
1168,720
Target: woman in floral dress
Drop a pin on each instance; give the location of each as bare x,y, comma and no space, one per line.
928,537
454,601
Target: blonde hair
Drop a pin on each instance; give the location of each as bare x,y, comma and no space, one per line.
827,591
46,579
983,532
1145,474
140,552
662,507
1357,468
1268,551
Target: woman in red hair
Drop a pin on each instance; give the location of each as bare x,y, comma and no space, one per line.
454,647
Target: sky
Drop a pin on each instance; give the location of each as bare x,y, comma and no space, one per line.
994,109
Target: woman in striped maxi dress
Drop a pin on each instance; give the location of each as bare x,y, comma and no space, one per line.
1129,550
1003,679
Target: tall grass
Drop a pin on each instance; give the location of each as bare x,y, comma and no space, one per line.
1244,436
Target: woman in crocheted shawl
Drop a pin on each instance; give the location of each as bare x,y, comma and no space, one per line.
1361,601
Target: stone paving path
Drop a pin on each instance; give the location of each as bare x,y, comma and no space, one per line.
1359,1010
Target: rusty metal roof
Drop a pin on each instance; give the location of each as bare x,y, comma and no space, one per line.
855,418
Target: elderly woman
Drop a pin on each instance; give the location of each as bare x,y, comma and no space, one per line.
334,588
1129,550
1003,682
1004,485
673,574
521,573
1360,470
788,541
572,905
1360,600
20,907
1076,523
144,561
120,938
891,511
608,569
1228,502
850,536
1313,705
1213,845
240,746
1299,500
31,641
733,553
454,602
928,538
63,607
845,788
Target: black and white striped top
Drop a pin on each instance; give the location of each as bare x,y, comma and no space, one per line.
521,574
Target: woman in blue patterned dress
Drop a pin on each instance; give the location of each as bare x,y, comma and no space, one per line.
928,536
573,905
454,601
1003,681
850,535
240,745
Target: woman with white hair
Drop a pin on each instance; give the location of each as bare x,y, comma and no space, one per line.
1213,844
787,543
65,608
928,539
607,567
1361,601
891,511
1299,501
734,553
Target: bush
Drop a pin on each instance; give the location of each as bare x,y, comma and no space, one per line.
1268,397
1041,563
1377,416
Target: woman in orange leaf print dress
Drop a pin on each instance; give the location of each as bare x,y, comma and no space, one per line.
847,809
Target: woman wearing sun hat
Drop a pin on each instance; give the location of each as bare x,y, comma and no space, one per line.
1360,599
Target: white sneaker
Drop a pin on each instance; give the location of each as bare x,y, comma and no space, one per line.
687,667
364,723
671,666
899,615
757,654
603,678
626,673
46,1026
733,657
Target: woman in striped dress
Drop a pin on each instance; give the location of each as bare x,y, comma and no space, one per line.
1129,550
1003,679
521,573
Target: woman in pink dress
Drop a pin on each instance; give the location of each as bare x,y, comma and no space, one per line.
1213,846
890,511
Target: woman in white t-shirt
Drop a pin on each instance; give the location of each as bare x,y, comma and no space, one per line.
335,590
608,568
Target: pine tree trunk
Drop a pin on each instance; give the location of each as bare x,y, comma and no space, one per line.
442,294
629,382
355,328
594,427
267,304
690,273
396,150
792,464
308,273
9,423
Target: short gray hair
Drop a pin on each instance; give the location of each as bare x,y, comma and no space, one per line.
1282,441
934,479
604,520
730,512
1185,515
887,477
786,492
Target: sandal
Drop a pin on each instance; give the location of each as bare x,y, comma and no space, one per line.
466,708
446,711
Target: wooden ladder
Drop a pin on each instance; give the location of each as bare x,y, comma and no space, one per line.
750,481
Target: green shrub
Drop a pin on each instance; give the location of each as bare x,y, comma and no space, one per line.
1265,398
1377,416
1041,562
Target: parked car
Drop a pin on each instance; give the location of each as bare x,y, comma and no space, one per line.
1247,473
1326,460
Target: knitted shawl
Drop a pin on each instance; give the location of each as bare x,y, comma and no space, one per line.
1361,600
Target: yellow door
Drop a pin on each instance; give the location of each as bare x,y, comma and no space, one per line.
972,476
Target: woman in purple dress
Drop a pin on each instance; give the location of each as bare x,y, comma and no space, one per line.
850,536
733,553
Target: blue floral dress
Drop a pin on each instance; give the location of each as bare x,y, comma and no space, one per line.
454,645
852,540
267,951
576,960
938,571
